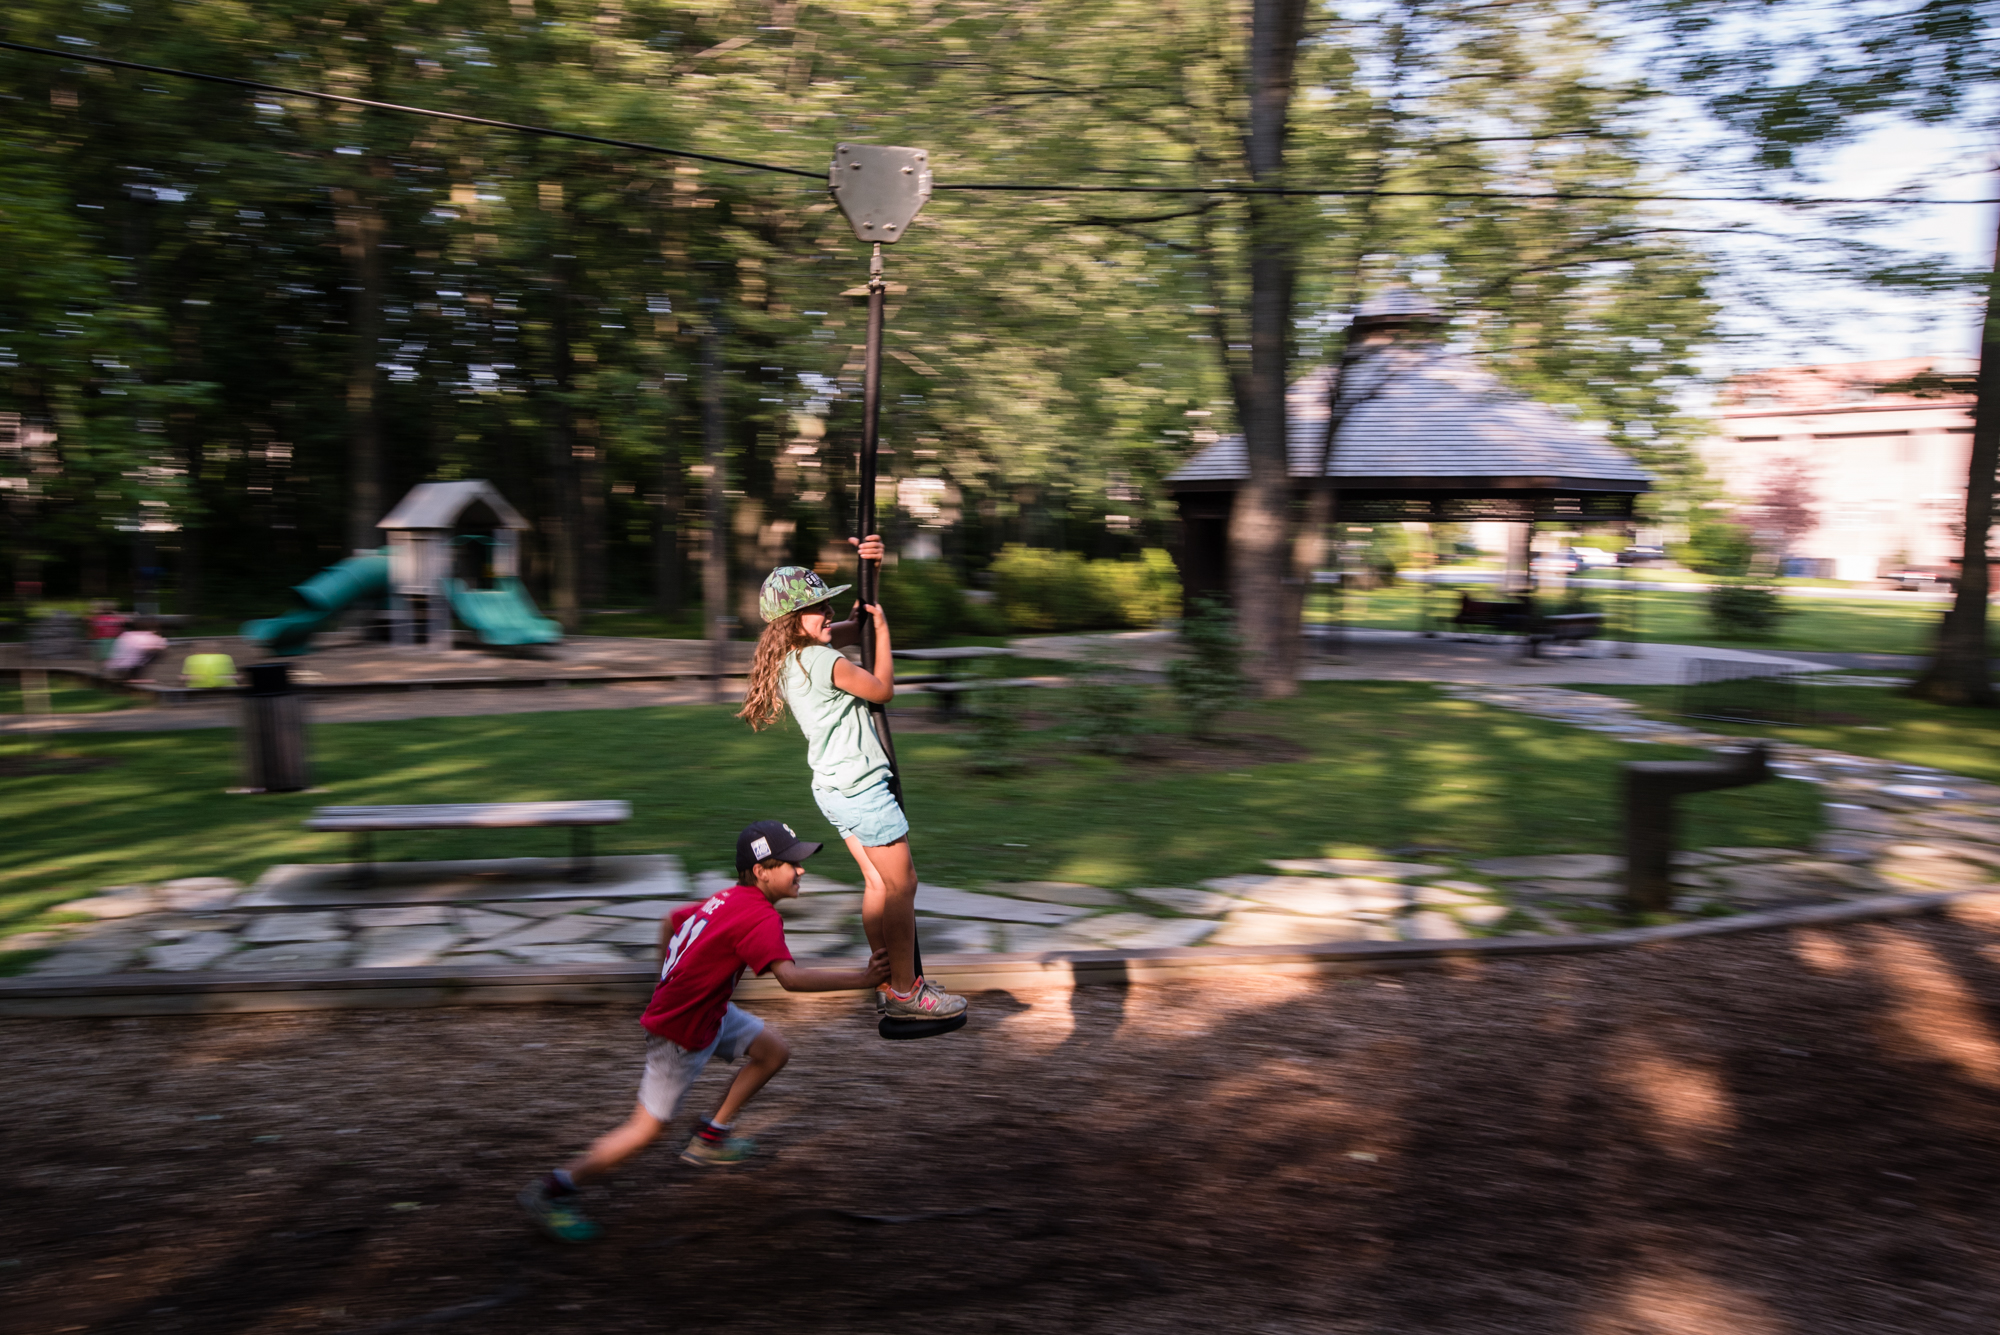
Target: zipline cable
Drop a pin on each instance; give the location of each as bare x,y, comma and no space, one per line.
1315,192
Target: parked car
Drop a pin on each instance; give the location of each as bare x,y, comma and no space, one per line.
1641,556
1917,577
1565,562
1595,558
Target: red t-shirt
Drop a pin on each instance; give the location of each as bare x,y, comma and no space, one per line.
711,943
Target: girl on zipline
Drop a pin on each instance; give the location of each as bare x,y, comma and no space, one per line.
798,664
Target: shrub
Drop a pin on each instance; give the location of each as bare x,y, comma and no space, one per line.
1041,591
1717,547
996,723
1106,704
1207,680
924,603
1745,609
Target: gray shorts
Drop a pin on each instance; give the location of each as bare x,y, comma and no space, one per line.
671,1069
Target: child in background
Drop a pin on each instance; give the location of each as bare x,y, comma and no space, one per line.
703,948
135,650
798,664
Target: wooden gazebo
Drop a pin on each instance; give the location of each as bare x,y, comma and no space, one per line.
1420,432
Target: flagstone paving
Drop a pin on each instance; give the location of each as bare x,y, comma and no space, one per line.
1890,828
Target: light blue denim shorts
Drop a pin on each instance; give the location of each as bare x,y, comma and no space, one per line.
671,1069
872,815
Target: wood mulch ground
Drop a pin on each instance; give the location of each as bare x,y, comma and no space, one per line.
1780,1134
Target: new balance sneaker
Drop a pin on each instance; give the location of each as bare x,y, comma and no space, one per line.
557,1216
928,1002
715,1151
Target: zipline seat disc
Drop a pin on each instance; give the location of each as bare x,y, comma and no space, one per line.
880,190
897,1029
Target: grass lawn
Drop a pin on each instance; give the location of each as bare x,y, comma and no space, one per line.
1885,723
66,696
1829,625
1371,766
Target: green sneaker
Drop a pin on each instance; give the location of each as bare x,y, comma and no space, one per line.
715,1153
560,1218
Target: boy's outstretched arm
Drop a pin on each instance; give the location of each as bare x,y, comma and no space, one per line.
794,978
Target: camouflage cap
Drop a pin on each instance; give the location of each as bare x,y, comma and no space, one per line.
790,588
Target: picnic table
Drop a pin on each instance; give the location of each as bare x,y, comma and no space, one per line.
947,681
579,817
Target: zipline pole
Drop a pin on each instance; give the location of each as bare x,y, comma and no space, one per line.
880,191
871,440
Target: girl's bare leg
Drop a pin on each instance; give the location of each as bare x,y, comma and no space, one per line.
889,905
615,1147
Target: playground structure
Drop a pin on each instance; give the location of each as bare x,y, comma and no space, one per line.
421,576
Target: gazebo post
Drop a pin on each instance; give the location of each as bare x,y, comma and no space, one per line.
1631,591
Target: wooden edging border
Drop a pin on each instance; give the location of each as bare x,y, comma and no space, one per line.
420,988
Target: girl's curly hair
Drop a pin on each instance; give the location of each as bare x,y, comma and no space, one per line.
765,702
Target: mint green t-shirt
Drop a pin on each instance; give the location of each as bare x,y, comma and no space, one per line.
841,745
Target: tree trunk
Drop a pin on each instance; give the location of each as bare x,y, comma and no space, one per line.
358,223
560,505
667,509
1959,673
714,442
1260,569
593,581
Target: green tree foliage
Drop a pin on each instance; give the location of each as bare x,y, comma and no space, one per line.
1795,80
254,320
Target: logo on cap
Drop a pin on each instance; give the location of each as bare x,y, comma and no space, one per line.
761,847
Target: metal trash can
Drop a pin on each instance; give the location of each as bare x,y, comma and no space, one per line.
274,732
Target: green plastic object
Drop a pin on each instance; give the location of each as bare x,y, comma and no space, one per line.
503,614
325,596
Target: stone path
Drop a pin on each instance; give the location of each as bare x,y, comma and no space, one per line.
1892,828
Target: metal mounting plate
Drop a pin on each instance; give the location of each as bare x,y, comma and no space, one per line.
880,190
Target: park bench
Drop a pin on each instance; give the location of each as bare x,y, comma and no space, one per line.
579,817
1510,617
1563,628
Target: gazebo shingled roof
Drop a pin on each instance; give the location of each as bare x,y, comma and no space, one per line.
1425,433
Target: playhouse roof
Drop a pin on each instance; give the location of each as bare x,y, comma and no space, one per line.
437,506
1420,418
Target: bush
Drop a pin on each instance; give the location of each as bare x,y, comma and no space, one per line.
996,723
1208,680
1105,704
924,603
1041,591
1717,547
1745,609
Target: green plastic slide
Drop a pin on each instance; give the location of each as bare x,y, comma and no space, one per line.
325,596
503,614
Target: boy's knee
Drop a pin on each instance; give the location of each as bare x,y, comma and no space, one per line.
770,1049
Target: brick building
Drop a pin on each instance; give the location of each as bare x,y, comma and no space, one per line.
1879,452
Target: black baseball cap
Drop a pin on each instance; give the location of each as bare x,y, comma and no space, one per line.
771,839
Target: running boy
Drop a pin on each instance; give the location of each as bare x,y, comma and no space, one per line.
798,663
702,950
